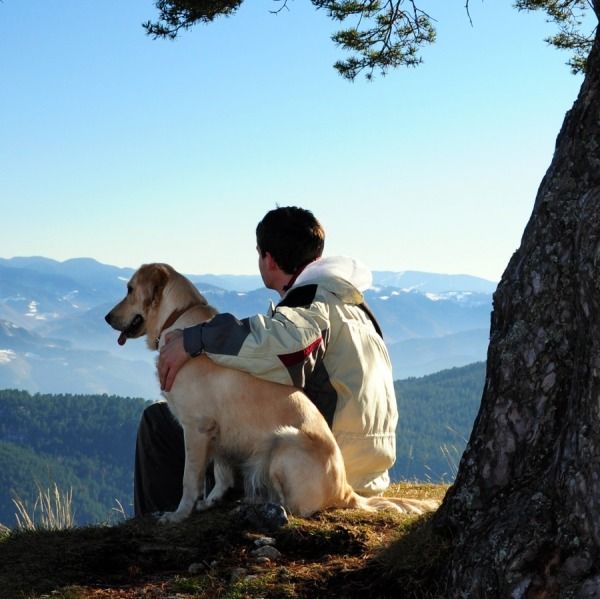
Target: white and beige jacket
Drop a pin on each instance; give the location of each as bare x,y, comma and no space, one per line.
322,338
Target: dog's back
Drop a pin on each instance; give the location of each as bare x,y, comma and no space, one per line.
273,432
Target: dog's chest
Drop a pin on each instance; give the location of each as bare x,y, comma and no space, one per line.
232,457
237,446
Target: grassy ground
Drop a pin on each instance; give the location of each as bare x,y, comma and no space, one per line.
340,553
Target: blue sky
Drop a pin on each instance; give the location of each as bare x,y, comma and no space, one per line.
129,150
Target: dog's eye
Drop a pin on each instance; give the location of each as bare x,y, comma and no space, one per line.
129,289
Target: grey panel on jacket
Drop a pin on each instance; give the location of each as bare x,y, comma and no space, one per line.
224,334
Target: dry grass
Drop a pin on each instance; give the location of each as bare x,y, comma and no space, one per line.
341,553
52,510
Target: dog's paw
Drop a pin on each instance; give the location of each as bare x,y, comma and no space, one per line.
172,517
206,504
202,505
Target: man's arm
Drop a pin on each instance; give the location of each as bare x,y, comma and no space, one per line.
264,346
223,334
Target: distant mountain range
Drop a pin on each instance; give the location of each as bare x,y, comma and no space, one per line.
53,338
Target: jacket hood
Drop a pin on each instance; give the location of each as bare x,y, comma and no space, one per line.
345,277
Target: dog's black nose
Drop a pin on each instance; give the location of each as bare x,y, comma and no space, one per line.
107,318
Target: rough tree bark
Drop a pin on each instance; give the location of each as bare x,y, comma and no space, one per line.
524,512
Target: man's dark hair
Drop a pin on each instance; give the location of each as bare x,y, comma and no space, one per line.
293,237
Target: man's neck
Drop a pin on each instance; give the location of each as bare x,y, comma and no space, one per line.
291,280
283,284
282,281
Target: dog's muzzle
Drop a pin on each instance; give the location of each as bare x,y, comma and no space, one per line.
132,330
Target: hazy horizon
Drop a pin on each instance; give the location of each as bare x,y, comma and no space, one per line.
246,275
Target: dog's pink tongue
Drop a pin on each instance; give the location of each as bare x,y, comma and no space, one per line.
122,339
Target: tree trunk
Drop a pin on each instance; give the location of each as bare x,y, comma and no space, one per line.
524,512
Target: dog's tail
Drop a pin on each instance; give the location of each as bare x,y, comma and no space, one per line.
403,505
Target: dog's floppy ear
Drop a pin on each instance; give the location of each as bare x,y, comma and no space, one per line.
156,277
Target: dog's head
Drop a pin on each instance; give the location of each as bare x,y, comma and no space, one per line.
144,292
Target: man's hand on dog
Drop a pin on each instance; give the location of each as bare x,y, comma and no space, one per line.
172,357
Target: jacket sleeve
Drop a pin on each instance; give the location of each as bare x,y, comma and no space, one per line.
284,347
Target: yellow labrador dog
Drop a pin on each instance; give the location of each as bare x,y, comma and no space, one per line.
272,432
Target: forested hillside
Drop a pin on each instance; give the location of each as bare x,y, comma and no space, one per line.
86,442
81,442
436,418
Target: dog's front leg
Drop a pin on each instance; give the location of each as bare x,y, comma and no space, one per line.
223,481
198,437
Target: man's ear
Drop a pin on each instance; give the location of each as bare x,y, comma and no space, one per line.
271,262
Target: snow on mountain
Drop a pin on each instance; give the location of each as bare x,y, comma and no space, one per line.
53,334
7,355
412,280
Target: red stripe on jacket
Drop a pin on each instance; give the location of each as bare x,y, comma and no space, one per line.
299,356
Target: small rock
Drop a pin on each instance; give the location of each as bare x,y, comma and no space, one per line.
262,541
267,551
269,516
262,560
